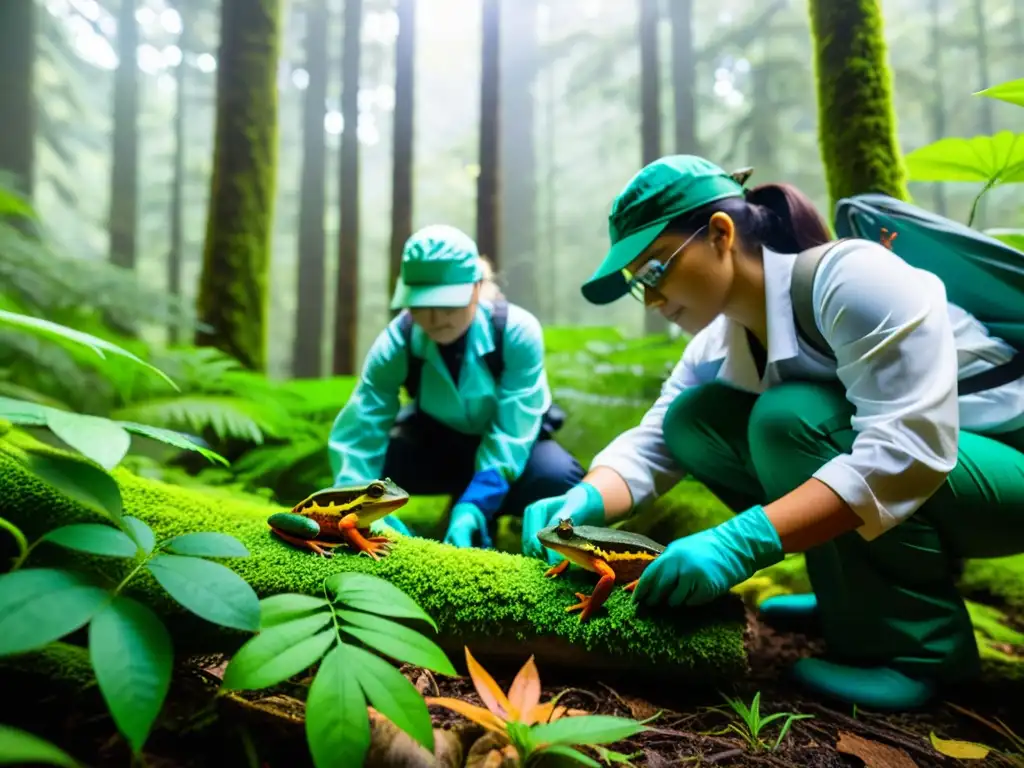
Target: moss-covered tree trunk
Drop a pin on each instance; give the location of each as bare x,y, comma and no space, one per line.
856,123
124,194
17,100
175,254
488,182
650,110
233,283
403,152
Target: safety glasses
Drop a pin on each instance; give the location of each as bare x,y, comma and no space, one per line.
653,272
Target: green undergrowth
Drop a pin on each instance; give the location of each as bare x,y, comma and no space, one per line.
474,595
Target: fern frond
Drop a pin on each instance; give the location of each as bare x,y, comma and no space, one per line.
228,417
18,392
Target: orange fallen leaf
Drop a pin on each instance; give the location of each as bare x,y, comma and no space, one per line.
873,754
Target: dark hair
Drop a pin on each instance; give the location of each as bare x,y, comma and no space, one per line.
779,216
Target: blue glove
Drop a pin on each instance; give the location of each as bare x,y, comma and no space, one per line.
582,503
467,522
697,569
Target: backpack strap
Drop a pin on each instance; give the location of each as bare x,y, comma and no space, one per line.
414,364
802,295
495,359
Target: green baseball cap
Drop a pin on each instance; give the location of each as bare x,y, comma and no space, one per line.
658,193
440,265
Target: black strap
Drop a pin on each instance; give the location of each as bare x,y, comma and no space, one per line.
802,293
495,359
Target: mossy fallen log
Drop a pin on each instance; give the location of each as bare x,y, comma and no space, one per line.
498,604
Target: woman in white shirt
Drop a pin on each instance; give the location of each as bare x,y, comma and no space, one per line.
866,459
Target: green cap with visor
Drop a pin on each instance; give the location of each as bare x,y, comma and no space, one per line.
440,265
663,190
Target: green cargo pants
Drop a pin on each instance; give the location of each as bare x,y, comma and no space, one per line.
888,602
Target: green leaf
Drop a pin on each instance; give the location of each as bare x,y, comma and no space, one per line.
22,412
140,532
391,694
277,653
68,336
337,723
85,483
1012,237
375,595
132,656
207,544
277,609
94,538
962,750
397,641
96,438
40,605
210,590
172,438
1012,92
19,747
997,159
570,754
586,729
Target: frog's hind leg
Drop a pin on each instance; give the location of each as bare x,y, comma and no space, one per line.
374,546
310,544
600,593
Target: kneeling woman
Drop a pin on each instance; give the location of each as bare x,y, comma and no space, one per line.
481,422
863,456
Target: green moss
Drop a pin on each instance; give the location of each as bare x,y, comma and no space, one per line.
232,296
1002,578
65,665
477,597
856,121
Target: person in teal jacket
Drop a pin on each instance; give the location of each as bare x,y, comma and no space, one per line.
866,450
480,426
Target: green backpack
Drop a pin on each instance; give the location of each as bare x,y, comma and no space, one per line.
982,275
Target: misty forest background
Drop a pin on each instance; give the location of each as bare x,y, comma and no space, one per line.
517,121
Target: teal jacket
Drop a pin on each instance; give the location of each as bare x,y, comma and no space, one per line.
506,414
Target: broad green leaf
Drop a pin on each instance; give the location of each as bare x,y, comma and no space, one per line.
62,334
395,640
19,747
962,750
132,656
87,484
337,723
22,412
1012,237
140,532
277,609
207,544
391,694
96,438
172,438
210,590
13,203
571,754
373,594
277,653
94,538
40,605
1012,92
998,159
586,729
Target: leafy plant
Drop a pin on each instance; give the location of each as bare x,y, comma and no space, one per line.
130,648
19,747
533,729
298,631
751,722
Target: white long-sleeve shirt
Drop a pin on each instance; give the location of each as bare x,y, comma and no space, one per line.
899,348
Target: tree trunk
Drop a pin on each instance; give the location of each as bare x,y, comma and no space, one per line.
518,153
346,310
856,124
233,282
488,182
986,120
175,254
684,77
650,111
938,99
18,104
308,344
125,138
552,305
403,149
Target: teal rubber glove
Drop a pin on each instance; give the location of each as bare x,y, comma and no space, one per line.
582,503
697,569
467,523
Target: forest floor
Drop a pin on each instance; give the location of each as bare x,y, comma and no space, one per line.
265,729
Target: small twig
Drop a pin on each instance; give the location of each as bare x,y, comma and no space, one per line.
723,755
863,727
